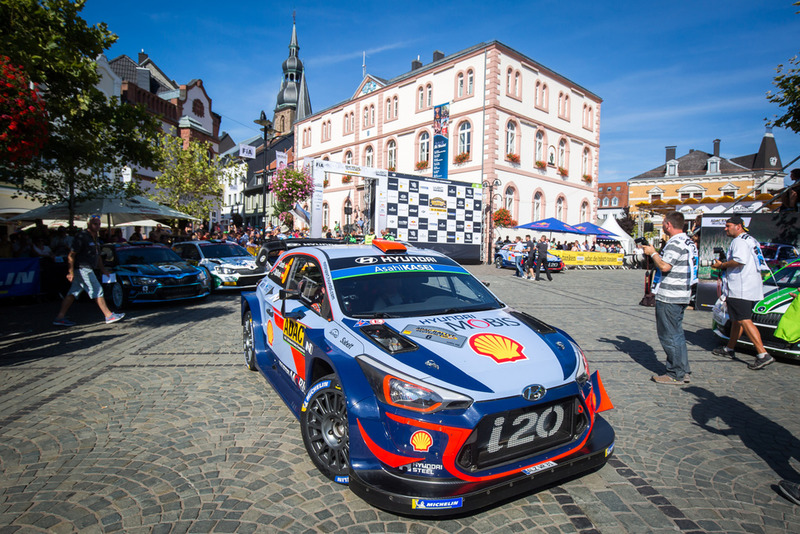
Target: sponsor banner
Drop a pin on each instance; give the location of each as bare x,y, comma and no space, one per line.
578,257
441,123
396,268
281,159
247,151
19,276
436,504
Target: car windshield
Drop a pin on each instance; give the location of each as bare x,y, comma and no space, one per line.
224,250
411,294
768,252
786,277
132,256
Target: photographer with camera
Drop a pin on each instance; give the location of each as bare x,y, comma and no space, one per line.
743,288
677,271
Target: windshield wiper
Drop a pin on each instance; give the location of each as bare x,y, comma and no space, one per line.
482,307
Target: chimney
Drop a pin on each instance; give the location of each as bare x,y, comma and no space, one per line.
142,56
716,147
437,55
671,152
416,64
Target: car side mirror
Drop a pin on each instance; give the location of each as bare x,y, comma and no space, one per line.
293,294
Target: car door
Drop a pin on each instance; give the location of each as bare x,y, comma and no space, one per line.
299,317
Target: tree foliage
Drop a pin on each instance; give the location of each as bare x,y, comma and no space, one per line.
191,180
23,120
89,135
787,95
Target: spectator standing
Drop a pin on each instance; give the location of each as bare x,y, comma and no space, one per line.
677,271
519,257
137,234
743,288
83,259
541,259
529,246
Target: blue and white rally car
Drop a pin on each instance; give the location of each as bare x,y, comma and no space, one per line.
415,384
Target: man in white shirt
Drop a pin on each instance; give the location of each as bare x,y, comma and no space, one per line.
744,289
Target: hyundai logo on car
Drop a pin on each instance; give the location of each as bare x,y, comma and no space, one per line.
534,392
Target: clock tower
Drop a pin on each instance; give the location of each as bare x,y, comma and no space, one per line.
293,102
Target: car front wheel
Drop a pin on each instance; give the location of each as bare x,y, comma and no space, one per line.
324,427
248,341
118,297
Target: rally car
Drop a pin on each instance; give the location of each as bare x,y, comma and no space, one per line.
229,266
505,258
777,254
150,272
417,386
778,289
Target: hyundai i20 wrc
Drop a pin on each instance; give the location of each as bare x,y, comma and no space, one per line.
417,386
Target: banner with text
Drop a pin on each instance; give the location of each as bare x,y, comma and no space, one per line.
576,257
19,276
441,123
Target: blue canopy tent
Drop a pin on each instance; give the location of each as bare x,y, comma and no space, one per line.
552,225
593,229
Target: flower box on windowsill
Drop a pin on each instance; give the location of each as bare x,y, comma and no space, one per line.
461,158
513,158
391,169
325,182
541,165
421,165
346,179
563,172
587,178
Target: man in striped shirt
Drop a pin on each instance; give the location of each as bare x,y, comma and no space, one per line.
672,285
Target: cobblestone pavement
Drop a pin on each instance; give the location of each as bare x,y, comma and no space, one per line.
154,424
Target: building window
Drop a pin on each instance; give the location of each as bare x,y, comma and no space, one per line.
540,146
420,98
584,212
348,158
585,163
464,138
366,116
460,85
654,197
429,94
395,105
560,209
562,154
511,138
424,146
509,199
537,207
605,202
346,122
372,115
563,105
615,202
198,108
672,169
391,155
388,108
368,157
470,81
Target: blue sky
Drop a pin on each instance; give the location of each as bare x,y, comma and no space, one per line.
670,73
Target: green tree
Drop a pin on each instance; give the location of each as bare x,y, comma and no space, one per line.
787,96
191,179
88,135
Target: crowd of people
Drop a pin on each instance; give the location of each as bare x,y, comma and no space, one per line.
612,247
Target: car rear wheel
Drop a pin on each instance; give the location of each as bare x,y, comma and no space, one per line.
498,262
248,341
324,427
118,297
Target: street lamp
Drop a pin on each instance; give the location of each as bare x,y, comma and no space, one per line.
266,125
490,209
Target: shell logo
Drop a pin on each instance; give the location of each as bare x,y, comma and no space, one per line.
421,441
270,334
500,348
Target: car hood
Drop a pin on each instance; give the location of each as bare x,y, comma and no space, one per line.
158,269
487,355
238,262
776,301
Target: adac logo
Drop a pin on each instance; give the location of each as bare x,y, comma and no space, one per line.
421,441
294,333
500,348
533,392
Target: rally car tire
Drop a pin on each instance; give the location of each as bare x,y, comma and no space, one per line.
249,341
498,262
324,427
118,297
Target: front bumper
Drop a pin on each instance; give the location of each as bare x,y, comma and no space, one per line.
423,497
237,280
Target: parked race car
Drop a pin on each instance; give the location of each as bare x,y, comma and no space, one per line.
777,255
229,266
417,386
766,313
150,272
505,258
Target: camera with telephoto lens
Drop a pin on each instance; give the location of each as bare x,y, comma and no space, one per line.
641,241
719,252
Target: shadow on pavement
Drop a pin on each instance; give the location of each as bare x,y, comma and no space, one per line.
638,351
773,443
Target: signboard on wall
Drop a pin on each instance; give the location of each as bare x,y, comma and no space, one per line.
441,125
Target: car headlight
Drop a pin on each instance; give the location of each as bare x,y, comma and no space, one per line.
402,391
582,373
202,276
144,280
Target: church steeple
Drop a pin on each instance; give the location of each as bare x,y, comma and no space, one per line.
293,102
